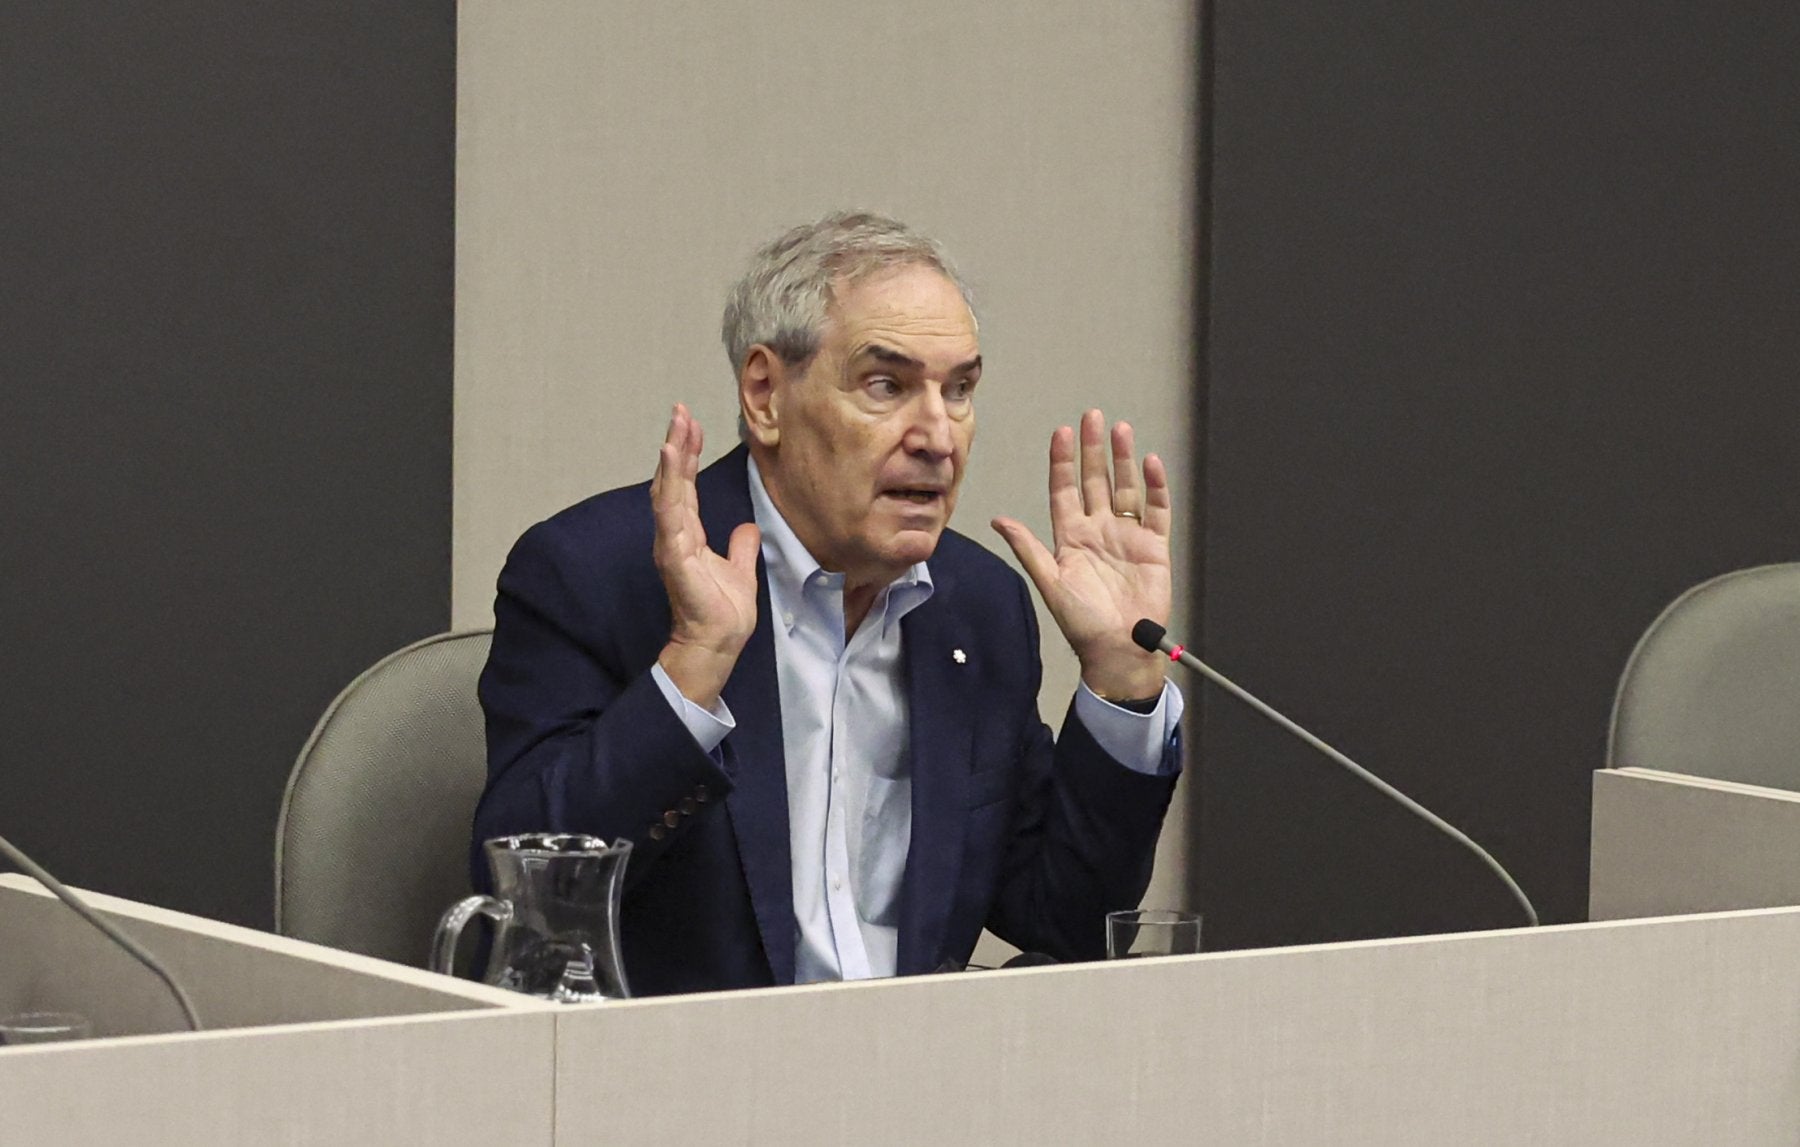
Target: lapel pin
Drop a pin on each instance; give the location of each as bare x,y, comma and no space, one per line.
959,656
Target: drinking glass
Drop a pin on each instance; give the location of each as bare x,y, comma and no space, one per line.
43,1027
1141,932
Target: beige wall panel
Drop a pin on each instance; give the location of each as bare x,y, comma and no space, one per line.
617,162
1683,1031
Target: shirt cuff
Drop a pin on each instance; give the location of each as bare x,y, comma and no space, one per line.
708,727
1139,741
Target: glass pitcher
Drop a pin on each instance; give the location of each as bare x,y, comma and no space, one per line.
555,910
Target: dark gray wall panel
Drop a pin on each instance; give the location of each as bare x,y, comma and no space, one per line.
1505,317
226,246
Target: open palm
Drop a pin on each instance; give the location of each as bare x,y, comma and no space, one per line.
1111,563
712,596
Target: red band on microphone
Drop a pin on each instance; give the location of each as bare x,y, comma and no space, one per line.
1175,653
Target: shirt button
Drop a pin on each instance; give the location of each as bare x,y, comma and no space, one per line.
837,884
837,775
787,619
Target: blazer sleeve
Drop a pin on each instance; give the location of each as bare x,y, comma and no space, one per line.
580,739
1083,835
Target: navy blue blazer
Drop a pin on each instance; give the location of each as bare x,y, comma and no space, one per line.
1034,838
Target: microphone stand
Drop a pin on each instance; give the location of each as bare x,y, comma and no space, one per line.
137,951
1155,639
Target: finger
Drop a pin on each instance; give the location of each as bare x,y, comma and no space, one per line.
1039,566
1126,496
697,441
663,492
673,436
745,544
668,506
672,496
1096,487
688,440
671,491
1159,512
1065,497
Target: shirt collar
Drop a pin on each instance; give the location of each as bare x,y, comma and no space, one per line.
791,567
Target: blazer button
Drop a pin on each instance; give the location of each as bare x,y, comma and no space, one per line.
657,832
671,818
687,806
700,793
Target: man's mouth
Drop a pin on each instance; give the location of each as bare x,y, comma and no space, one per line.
917,495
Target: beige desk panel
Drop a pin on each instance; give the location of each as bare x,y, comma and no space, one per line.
1666,843
1682,1031
477,1072
480,1079
51,959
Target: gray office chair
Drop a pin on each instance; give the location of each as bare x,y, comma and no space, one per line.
373,839
1713,687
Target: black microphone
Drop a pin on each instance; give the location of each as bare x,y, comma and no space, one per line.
1031,960
1155,639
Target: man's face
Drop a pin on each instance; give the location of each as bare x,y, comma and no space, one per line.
874,434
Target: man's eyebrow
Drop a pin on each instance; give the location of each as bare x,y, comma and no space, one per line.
892,357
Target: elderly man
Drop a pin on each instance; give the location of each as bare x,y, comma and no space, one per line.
811,706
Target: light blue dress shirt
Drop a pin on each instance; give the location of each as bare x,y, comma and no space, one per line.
846,734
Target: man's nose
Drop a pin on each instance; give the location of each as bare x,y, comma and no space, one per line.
930,433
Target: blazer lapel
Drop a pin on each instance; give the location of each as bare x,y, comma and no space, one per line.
758,801
942,738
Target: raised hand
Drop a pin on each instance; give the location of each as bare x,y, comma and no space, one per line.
1111,565
712,599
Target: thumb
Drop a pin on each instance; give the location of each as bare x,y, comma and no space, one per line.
746,542
1040,567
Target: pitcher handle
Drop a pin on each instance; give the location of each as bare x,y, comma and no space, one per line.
449,929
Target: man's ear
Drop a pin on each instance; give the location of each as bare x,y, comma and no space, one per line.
759,402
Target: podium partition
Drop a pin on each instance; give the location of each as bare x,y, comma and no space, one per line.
1675,1031
1682,1030
1667,843
303,1044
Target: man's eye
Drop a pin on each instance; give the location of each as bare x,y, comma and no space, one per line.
960,391
884,388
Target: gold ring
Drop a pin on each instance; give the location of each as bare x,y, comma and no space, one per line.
1132,514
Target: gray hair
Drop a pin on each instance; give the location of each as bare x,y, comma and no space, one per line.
782,300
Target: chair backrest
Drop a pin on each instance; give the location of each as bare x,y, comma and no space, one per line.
1713,687
373,839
